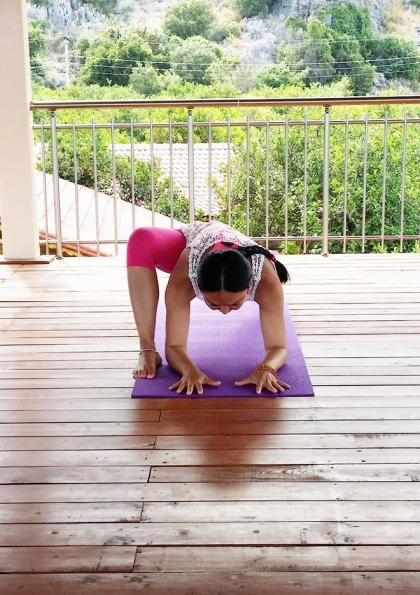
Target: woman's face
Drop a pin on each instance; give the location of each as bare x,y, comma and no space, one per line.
225,301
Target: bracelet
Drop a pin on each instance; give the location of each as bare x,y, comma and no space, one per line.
267,368
147,349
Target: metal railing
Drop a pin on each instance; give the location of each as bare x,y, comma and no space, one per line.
298,183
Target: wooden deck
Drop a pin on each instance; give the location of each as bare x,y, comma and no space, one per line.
106,495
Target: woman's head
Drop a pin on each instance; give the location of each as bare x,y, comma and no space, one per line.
224,270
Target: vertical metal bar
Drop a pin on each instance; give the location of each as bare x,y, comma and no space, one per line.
403,178
191,165
56,186
384,181
247,174
267,178
133,180
114,186
95,184
305,186
171,173
346,176
229,178
210,149
44,185
152,173
286,183
365,156
326,183
76,187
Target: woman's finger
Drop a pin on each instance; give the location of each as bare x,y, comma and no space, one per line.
175,385
211,382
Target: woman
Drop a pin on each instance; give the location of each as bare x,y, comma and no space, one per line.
220,265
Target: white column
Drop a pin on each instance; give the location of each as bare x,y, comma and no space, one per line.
17,164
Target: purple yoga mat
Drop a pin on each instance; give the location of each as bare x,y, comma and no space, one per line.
227,348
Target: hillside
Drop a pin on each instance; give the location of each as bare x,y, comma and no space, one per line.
256,40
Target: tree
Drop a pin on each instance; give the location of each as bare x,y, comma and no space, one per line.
37,51
348,19
188,18
280,75
111,57
395,57
147,81
37,38
193,57
318,58
350,62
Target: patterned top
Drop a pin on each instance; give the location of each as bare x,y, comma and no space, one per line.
203,235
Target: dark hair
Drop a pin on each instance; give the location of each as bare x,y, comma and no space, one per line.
229,270
226,270
282,272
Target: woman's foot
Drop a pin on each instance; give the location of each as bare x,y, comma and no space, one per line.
147,364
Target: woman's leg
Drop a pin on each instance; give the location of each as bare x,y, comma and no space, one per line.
149,248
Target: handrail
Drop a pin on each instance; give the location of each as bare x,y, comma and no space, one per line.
223,102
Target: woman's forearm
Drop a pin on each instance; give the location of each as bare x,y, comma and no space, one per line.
275,357
178,358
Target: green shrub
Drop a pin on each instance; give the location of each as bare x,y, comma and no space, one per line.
188,18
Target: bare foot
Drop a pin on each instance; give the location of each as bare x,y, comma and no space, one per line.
147,364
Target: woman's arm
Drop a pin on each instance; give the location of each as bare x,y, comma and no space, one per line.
269,296
178,296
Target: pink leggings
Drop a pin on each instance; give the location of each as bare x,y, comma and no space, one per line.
155,248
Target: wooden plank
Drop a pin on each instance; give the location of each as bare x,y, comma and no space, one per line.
100,415
69,512
67,559
69,399
277,559
209,534
292,441
207,583
196,429
274,490
82,443
138,459
89,415
304,414
204,512
95,473
287,472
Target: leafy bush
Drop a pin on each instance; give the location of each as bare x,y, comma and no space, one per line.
188,18
395,57
193,57
111,57
280,75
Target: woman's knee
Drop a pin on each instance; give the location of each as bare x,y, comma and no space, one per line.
140,248
140,235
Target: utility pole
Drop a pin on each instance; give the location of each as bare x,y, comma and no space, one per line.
66,59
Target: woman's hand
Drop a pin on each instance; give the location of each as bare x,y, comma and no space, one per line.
263,379
193,380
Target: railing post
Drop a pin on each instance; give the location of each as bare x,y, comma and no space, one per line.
326,183
191,165
56,186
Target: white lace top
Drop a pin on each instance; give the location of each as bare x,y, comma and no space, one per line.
203,235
